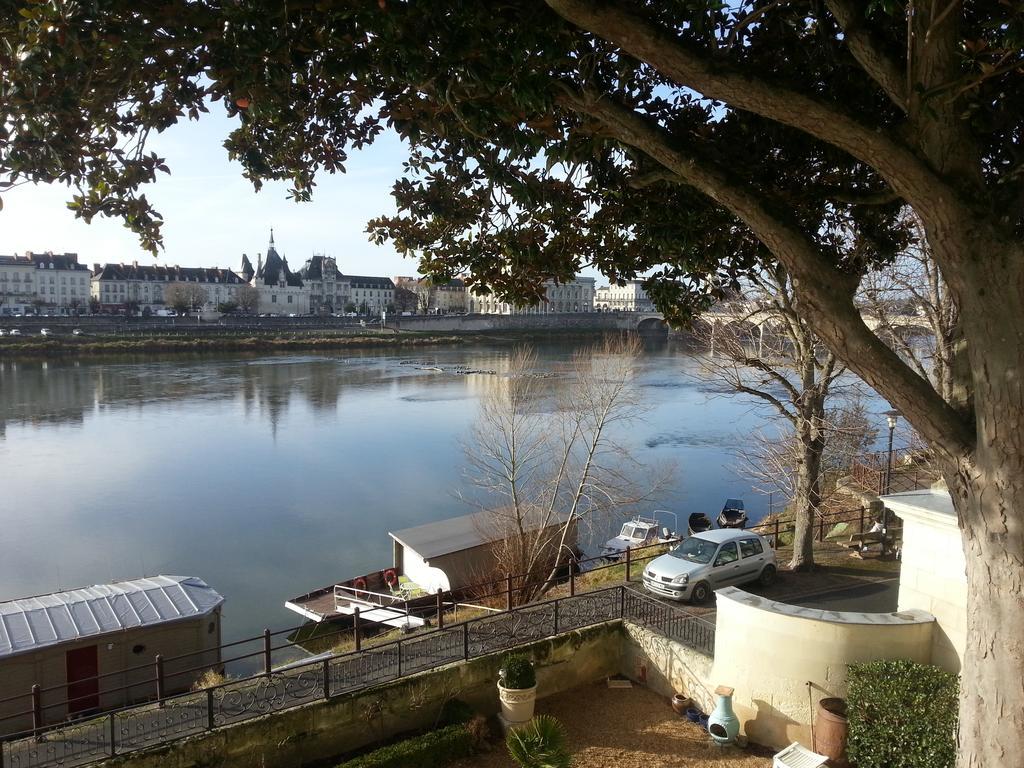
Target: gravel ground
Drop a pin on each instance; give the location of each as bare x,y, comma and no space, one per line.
628,728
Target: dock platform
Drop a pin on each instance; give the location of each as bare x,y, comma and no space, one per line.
340,600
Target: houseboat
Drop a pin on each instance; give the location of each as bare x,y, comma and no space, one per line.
449,555
91,649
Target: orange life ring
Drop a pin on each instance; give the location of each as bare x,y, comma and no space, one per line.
359,583
390,577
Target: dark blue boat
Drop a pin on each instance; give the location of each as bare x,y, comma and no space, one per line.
733,514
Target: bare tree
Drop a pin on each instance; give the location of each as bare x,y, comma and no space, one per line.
908,297
772,354
185,297
549,462
247,298
424,295
771,459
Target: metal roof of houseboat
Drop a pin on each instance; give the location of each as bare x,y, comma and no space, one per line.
30,623
455,534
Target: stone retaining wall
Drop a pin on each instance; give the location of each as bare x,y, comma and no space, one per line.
327,730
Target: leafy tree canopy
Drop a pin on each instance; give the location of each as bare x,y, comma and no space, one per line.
510,176
694,139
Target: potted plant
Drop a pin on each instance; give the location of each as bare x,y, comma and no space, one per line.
517,689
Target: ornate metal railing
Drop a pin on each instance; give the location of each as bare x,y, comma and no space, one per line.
690,630
176,717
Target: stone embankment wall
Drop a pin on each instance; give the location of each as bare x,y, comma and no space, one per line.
781,659
573,321
328,729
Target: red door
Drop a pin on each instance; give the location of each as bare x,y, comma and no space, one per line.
83,687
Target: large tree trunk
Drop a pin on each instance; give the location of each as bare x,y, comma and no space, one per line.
988,491
808,497
990,499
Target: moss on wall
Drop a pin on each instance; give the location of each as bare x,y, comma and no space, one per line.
331,729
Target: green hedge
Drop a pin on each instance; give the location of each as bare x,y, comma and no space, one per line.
456,712
902,715
517,672
435,749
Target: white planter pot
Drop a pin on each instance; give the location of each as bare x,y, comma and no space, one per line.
516,704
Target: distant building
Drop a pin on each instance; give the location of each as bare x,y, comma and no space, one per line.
141,287
282,292
574,296
50,283
372,295
434,298
630,297
329,290
444,298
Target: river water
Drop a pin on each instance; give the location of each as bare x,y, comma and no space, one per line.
269,476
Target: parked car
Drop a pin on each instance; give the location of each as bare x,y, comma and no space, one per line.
76,332
45,332
711,560
15,332
3,331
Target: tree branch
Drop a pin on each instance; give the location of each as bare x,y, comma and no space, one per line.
855,197
907,174
824,292
865,49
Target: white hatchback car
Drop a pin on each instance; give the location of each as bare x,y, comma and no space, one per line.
711,560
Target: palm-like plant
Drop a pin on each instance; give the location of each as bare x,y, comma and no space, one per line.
539,744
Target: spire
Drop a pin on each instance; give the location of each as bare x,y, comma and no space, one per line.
271,237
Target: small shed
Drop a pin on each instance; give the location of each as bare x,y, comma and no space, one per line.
457,552
94,648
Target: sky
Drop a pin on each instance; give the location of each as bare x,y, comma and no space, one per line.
212,215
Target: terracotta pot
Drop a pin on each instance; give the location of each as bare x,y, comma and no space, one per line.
681,703
830,730
516,704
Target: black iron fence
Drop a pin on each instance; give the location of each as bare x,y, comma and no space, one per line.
902,469
174,717
163,676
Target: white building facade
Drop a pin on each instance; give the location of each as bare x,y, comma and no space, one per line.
372,295
574,296
142,288
630,297
44,283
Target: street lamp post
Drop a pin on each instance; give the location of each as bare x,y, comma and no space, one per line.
890,418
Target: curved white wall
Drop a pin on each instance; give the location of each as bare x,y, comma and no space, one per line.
770,651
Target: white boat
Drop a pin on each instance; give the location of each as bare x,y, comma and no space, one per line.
640,532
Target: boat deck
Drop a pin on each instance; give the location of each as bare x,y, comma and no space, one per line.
323,605
393,617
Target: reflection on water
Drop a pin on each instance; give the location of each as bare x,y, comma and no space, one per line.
268,476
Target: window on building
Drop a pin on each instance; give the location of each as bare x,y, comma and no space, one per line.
273,298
